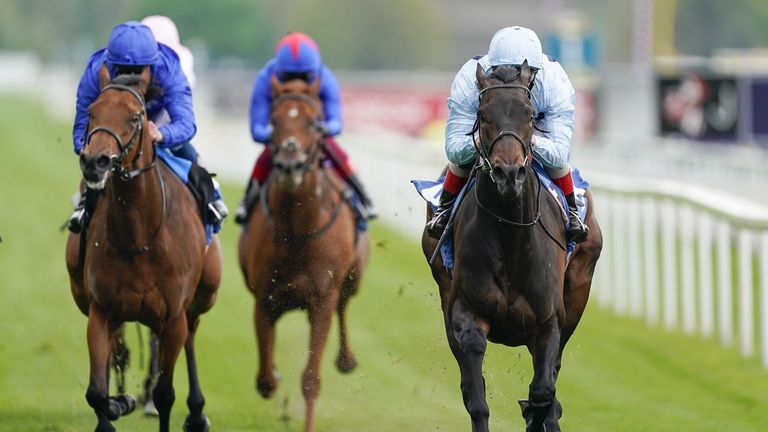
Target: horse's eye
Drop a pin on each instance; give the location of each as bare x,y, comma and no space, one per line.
136,119
481,116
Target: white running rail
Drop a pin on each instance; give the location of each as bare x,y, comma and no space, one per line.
684,257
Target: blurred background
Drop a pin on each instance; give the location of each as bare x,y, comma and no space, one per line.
672,132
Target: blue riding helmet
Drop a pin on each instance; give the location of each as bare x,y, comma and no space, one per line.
132,43
297,53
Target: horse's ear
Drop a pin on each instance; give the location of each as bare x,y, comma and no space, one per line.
144,78
482,78
277,87
103,76
525,73
314,89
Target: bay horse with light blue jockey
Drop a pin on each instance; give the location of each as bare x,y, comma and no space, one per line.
144,257
300,248
512,280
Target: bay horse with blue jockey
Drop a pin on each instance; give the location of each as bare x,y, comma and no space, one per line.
300,247
512,281
145,257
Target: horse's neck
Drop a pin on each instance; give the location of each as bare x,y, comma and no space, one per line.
299,211
134,209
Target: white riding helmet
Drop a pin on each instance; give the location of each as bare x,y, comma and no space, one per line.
167,33
514,45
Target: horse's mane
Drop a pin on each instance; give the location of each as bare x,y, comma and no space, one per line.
132,80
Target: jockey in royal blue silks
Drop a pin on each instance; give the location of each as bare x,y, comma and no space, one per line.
131,48
552,96
297,56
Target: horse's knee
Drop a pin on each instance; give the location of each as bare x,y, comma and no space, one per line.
471,339
310,384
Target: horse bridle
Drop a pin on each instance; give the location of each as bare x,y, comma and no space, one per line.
486,163
117,162
311,155
485,153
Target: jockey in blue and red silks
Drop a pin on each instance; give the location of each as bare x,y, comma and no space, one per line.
131,48
297,56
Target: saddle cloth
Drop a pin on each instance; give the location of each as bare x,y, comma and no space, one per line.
430,191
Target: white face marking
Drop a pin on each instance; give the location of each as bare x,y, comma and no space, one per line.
293,112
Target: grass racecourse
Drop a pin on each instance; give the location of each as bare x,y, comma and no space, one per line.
617,374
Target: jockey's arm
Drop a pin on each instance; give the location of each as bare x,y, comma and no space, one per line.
261,108
553,147
178,102
87,93
462,114
330,94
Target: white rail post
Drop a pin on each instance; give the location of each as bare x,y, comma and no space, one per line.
633,245
706,294
669,264
619,231
746,321
724,284
764,298
650,260
605,265
688,293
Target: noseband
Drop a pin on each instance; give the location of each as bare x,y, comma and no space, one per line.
117,162
311,154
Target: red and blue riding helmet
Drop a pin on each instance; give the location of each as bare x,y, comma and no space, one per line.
132,44
297,53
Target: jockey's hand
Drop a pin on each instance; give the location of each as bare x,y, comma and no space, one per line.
322,128
154,132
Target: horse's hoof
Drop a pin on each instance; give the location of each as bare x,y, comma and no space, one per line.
150,410
346,363
200,423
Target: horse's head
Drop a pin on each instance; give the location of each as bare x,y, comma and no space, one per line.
505,126
116,132
296,136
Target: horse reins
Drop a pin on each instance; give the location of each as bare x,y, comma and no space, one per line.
486,165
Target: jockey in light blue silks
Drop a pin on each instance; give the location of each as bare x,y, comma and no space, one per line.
297,56
131,48
552,96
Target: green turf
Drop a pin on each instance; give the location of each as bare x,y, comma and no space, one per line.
617,374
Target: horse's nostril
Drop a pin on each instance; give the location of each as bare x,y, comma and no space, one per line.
103,162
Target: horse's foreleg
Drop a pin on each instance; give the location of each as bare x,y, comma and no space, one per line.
346,361
266,379
170,340
196,421
99,351
468,343
545,351
320,322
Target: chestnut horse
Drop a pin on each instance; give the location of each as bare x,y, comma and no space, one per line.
145,256
512,283
300,249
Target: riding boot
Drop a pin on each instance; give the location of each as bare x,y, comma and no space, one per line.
218,207
577,231
75,221
357,185
248,202
436,225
